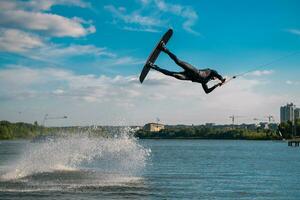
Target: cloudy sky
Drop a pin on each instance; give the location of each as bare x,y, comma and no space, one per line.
83,58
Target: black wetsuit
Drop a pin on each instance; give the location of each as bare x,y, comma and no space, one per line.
191,73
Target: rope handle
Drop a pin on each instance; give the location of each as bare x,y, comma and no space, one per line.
229,79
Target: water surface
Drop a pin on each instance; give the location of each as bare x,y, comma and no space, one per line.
124,168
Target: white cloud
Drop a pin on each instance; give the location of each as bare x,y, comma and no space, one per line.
22,23
37,5
80,50
172,100
31,16
128,28
13,78
141,20
145,2
52,51
27,27
124,60
46,23
294,31
289,82
261,72
13,40
58,92
33,46
89,87
186,12
144,23
47,4
102,57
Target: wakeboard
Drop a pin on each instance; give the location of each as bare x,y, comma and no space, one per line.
154,54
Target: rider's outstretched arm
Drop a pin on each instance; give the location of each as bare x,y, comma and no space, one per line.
209,90
214,73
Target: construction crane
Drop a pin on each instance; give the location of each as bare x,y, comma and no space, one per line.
46,117
268,118
265,122
234,117
157,122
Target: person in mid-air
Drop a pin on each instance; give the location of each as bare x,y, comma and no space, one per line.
190,73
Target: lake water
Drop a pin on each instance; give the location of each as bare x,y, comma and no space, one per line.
125,168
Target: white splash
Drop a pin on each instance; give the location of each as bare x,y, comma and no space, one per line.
121,154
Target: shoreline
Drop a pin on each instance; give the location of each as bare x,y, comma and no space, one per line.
20,130
176,138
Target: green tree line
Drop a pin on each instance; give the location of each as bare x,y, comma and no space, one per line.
289,129
204,132
10,130
21,130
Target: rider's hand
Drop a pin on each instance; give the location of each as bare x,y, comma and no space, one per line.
220,84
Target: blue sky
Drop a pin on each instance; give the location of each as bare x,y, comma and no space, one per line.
82,59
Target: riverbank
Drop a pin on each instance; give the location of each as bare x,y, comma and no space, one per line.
202,132
21,130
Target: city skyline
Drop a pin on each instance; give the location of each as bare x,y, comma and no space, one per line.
82,59
289,112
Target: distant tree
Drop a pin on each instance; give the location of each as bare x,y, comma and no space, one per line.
286,129
5,133
297,124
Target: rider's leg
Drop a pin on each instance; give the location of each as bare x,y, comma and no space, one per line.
178,75
182,64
